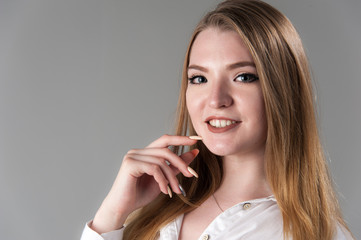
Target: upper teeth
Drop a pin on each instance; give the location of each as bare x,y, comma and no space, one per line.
220,123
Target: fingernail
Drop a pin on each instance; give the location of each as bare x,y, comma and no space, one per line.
196,137
182,190
169,192
194,173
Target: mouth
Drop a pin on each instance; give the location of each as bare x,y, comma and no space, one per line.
219,125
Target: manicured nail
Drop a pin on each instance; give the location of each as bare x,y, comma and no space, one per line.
182,190
194,173
196,137
169,192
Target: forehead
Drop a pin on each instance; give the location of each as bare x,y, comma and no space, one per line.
213,44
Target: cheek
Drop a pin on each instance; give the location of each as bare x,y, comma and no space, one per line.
253,109
258,104
194,107
188,104
191,103
260,115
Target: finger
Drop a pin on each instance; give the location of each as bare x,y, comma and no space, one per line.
171,140
165,154
150,169
137,169
187,157
160,162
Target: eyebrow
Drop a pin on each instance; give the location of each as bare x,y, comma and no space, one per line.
240,64
229,67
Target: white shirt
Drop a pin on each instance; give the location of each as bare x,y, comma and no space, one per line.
252,220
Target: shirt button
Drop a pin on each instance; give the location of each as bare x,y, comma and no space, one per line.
205,237
246,206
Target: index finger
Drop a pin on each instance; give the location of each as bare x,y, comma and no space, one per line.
172,140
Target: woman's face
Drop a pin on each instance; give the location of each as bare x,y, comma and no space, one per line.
224,96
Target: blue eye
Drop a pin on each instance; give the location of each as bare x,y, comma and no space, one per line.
246,78
197,80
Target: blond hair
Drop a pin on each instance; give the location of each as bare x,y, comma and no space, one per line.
295,165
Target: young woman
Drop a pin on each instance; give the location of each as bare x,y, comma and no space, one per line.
258,170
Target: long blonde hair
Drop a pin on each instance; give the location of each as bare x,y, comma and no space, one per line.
295,164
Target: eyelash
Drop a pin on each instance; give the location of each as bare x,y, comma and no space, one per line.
253,76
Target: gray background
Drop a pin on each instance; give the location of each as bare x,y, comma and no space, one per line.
83,81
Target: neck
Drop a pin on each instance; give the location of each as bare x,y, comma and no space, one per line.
244,179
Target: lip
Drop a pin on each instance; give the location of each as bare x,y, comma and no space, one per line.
222,129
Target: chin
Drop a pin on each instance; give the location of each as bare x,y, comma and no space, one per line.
222,148
219,149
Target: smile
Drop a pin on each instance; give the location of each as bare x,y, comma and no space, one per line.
220,123
217,125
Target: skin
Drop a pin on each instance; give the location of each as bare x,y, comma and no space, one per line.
142,176
144,173
223,96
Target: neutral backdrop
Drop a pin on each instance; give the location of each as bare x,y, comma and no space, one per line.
83,81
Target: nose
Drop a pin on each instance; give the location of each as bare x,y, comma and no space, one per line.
220,96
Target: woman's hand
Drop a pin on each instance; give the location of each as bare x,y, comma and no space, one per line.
143,175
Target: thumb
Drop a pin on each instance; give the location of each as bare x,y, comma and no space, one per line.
188,157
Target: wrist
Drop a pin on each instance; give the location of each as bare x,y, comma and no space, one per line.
107,221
